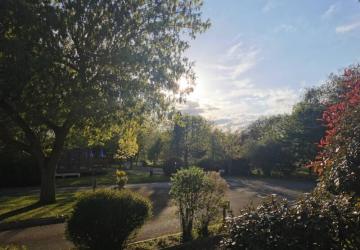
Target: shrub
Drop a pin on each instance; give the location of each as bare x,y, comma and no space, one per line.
313,222
121,178
106,218
171,165
199,196
240,167
187,187
339,158
209,164
212,200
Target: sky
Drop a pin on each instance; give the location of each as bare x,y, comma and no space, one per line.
259,56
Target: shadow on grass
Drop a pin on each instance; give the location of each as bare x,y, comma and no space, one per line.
27,207
19,211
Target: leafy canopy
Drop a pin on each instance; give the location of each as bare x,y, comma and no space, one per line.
70,64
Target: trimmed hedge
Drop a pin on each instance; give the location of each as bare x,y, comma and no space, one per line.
105,219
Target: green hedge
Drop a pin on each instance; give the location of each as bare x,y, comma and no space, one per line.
106,218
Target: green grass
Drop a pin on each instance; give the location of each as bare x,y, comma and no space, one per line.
12,247
23,206
62,207
109,179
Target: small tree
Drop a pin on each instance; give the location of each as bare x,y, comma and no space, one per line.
187,189
211,200
121,178
127,144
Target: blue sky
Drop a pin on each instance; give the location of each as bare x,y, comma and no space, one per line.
259,55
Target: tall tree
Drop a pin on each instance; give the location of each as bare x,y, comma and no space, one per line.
190,138
69,64
339,159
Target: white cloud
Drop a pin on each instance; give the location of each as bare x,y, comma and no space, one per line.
238,59
234,109
269,5
233,49
227,95
348,27
329,12
285,28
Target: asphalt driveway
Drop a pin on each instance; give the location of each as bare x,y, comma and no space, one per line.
242,192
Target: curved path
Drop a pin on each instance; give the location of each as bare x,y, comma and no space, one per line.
242,192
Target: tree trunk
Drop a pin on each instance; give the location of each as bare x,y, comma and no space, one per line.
48,168
187,226
186,158
188,234
47,189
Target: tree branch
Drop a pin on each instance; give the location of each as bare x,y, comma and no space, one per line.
5,136
35,147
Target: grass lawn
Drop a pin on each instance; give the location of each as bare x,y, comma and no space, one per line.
25,207
109,179
21,207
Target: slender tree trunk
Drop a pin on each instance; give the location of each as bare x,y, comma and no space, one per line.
188,234
186,157
187,225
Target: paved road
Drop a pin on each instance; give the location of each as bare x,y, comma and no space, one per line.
242,192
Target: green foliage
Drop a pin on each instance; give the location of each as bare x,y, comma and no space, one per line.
29,202
313,222
190,138
339,159
199,196
127,144
211,202
285,142
121,178
162,242
328,218
79,67
105,219
187,188
155,150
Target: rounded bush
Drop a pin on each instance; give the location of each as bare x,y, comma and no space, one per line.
106,218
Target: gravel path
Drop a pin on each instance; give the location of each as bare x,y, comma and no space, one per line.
242,192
